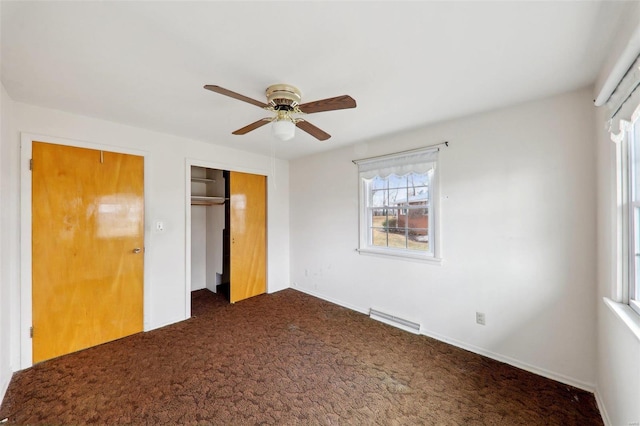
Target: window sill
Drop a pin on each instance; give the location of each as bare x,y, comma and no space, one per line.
400,255
628,316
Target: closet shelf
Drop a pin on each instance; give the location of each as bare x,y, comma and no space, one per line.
199,200
202,180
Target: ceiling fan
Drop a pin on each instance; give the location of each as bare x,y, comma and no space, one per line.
284,101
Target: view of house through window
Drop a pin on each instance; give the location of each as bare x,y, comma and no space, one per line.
399,211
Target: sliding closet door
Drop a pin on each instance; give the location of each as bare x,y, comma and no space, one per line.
88,253
248,261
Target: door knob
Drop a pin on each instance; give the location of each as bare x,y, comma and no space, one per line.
137,250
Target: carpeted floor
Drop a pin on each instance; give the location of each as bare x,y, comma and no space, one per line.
286,358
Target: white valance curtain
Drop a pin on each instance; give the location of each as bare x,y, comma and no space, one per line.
399,164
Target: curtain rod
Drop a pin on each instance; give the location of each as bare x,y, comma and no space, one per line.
437,145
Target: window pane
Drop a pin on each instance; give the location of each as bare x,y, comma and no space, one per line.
395,194
399,209
416,222
635,165
419,179
397,181
397,240
400,228
378,183
418,239
634,288
379,198
379,217
379,231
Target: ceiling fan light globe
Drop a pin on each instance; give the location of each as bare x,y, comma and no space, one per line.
283,129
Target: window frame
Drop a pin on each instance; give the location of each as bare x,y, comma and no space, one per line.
433,255
630,290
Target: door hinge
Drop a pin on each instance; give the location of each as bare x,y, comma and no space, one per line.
31,332
31,164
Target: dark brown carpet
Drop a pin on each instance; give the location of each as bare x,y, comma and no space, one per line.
286,358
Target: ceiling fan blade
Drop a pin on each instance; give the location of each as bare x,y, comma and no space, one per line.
235,95
252,126
329,104
313,130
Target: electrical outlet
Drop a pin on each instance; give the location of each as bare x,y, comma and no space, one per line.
480,319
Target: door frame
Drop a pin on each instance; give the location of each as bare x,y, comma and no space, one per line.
220,166
26,311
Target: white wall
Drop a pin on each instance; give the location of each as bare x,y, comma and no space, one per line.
215,245
5,232
165,199
518,229
198,247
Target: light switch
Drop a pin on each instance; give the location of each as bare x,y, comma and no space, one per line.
159,226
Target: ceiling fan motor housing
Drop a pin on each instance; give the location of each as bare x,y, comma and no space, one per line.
283,96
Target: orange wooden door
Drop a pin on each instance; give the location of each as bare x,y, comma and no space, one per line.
87,248
248,222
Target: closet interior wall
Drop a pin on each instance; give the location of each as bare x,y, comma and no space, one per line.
207,227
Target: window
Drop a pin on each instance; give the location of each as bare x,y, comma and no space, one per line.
623,106
633,214
627,254
398,204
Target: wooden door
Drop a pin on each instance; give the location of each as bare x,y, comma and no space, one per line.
248,257
87,248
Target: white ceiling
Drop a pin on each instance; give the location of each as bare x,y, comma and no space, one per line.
407,64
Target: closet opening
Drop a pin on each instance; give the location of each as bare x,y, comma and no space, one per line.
208,224
228,234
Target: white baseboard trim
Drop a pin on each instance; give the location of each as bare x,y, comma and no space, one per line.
603,409
334,301
589,387
164,324
4,385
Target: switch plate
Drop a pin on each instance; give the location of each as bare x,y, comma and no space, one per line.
159,226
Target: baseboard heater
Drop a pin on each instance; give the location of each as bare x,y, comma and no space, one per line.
402,323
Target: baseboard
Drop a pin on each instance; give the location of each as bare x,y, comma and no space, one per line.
4,385
163,324
603,409
589,387
334,301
